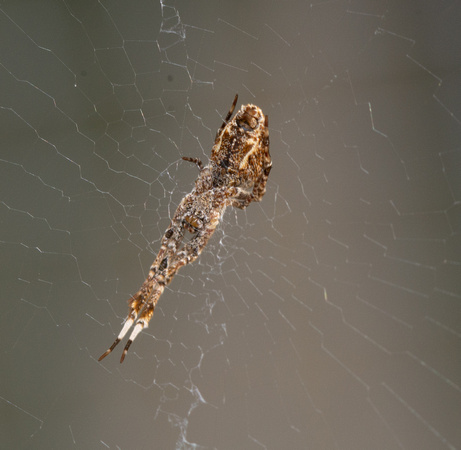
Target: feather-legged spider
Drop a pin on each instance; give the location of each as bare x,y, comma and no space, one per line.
236,175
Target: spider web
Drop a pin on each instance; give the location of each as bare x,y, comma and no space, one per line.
327,316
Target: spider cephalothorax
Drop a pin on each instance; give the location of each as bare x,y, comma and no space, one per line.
236,175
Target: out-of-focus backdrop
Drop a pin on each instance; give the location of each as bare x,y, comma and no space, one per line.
326,317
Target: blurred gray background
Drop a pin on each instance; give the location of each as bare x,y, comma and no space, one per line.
326,317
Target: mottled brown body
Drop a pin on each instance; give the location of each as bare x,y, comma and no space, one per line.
235,176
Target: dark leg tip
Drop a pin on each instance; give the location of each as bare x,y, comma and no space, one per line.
109,350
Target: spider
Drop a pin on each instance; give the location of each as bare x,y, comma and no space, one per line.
236,175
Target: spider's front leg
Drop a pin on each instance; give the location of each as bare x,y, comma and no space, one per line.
142,306
143,303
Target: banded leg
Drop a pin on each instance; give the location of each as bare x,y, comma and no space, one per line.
144,317
195,161
141,312
136,305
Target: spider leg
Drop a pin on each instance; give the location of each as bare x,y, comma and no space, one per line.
136,305
141,323
144,317
195,161
229,114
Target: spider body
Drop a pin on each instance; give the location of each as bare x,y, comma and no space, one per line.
235,176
